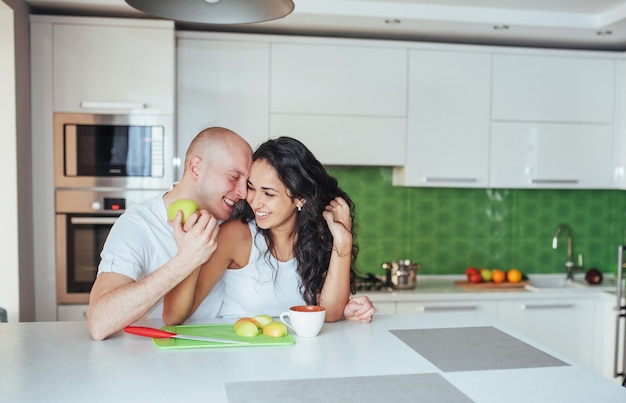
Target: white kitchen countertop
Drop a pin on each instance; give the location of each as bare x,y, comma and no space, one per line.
442,288
57,361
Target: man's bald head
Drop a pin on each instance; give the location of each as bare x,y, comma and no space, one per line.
216,143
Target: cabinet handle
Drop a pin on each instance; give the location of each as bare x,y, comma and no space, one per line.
466,180
112,105
448,308
529,307
93,220
554,181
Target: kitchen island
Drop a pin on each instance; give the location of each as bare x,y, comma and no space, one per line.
415,357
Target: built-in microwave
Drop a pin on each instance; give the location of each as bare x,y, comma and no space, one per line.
113,151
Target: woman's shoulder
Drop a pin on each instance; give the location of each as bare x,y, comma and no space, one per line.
235,239
235,228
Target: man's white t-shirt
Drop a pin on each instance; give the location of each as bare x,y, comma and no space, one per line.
140,242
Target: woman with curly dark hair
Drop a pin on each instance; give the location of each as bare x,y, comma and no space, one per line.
291,244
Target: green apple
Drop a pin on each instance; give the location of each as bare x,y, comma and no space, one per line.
485,274
275,329
187,206
247,329
263,320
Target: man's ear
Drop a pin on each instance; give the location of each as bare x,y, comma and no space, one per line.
194,167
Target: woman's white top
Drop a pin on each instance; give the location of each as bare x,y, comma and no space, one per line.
264,286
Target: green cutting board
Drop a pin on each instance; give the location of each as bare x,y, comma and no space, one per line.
219,331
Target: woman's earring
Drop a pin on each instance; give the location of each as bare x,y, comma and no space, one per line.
299,208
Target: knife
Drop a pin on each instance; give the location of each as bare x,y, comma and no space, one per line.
163,334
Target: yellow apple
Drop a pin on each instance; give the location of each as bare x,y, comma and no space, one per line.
240,321
275,329
187,206
247,329
263,320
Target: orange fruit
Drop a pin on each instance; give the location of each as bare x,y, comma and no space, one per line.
498,276
514,276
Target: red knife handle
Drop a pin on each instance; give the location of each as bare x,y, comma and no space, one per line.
149,332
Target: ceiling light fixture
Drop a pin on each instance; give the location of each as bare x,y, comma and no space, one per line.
215,11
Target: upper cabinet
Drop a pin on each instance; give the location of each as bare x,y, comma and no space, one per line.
448,120
551,155
552,121
619,147
553,89
336,79
222,81
107,65
346,100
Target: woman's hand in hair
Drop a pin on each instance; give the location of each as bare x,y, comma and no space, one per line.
337,216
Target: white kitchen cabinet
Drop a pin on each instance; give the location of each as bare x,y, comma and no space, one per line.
340,140
72,312
557,88
448,120
565,325
338,78
108,65
345,100
222,80
385,308
605,333
619,126
487,309
551,155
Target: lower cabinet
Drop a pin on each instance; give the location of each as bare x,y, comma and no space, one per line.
72,312
609,342
487,309
385,308
564,325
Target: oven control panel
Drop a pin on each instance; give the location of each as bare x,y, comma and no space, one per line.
76,201
114,204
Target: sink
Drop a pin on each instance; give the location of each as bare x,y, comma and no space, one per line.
553,283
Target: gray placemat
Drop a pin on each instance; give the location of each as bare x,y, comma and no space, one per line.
388,388
474,348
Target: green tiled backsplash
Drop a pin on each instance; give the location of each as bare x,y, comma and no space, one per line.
447,230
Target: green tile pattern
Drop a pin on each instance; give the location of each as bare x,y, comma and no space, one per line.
447,230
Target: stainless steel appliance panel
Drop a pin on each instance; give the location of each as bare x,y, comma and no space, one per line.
83,221
113,151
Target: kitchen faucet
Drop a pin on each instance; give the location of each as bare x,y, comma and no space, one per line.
569,264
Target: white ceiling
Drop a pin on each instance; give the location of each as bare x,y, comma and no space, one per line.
545,23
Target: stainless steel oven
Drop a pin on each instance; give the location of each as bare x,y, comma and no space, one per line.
113,151
83,221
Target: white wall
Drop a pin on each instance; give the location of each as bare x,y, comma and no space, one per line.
9,252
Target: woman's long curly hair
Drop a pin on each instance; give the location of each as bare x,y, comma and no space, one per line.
305,177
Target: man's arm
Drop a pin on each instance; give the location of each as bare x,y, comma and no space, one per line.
116,300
